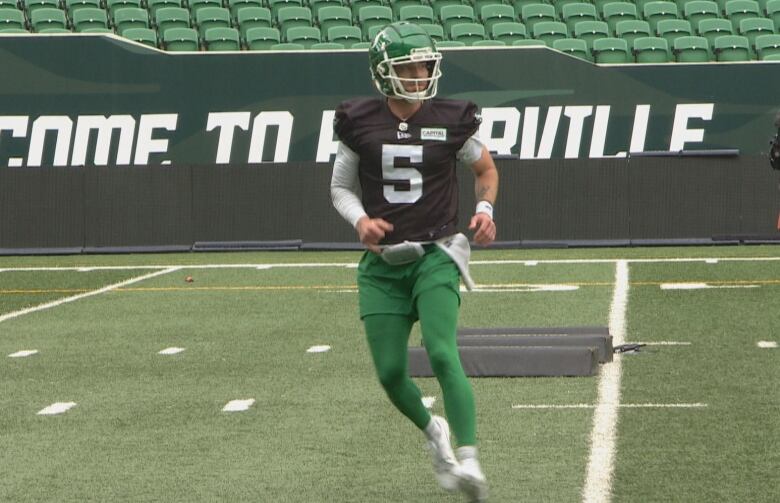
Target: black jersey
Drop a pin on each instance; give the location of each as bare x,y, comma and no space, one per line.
407,168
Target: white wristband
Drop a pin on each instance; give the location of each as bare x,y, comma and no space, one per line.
485,207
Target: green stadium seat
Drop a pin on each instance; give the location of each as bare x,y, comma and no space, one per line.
329,46
113,5
357,45
573,13
154,5
316,5
439,4
493,14
509,32
732,48
755,27
651,50
12,19
771,57
398,5
222,39
145,36
467,33
767,45
374,15
519,4
479,4
435,31
658,11
529,42
640,4
456,14
372,32
590,31
632,29
601,3
450,43
773,13
236,5
611,50
420,14
560,4
615,12
714,28
290,17
31,6
253,17
172,17
333,15
573,47
70,5
130,17
488,43
356,5
550,31
98,29
696,10
287,46
671,29
305,35
9,4
537,13
87,18
180,39
275,5
691,50
212,17
737,10
346,35
43,19
262,38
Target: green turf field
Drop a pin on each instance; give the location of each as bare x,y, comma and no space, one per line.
698,416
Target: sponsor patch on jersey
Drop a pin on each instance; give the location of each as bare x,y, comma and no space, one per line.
403,136
433,133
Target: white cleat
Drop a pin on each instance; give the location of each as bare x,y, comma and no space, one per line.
444,462
471,480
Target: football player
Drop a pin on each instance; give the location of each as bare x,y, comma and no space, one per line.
394,180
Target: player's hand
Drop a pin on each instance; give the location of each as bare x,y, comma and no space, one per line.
371,231
484,227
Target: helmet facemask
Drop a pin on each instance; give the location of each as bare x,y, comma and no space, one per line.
386,71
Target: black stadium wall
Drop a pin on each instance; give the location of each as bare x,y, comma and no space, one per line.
106,145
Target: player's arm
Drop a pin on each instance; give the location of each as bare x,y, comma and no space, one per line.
475,154
345,195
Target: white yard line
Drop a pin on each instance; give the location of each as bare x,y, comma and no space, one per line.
59,302
598,480
622,405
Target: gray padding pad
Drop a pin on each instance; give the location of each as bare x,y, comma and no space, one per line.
534,331
603,343
510,361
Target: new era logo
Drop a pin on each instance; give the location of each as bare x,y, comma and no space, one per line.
403,136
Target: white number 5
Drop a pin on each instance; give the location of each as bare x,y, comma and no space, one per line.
390,173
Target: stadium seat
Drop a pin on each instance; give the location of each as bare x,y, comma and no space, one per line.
13,4
767,45
374,15
696,10
420,14
714,28
43,19
236,5
145,36
32,5
488,43
327,46
671,29
287,46
439,4
180,39
773,13
333,15
549,31
130,17
212,17
97,29
155,5
356,45
435,31
467,33
560,4
732,48
304,35
262,38
253,17
114,5
737,10
618,11
537,13
84,19
70,5
651,50
275,5
172,17
316,5
509,32
493,14
573,13
356,5
573,47
11,19
691,50
450,43
398,5
290,17
611,50
451,15
658,11
344,34
632,29
479,4
771,57
590,31
373,31
755,27
222,39
519,4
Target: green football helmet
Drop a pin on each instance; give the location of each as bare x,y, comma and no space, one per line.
402,43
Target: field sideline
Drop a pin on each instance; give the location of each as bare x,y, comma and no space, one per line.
693,416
